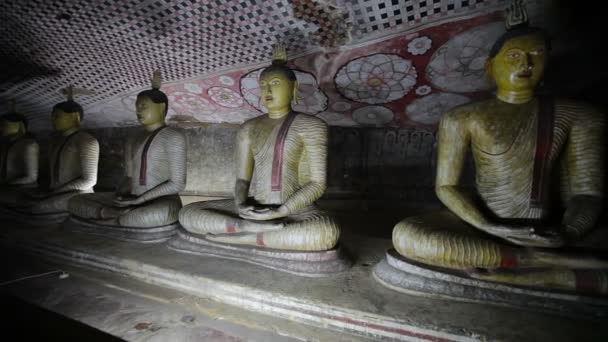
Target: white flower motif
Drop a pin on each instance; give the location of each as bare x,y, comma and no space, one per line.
419,45
192,105
226,80
193,88
337,119
340,106
373,116
311,99
225,97
429,109
423,90
128,102
379,78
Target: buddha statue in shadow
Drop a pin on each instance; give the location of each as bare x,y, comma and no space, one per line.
18,155
73,161
281,165
146,204
526,150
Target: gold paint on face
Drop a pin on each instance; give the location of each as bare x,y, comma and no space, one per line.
520,64
9,129
148,112
277,91
63,121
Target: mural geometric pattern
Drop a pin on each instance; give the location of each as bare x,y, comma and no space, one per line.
112,46
379,78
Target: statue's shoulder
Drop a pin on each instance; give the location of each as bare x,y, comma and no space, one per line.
172,133
309,120
251,123
29,140
579,111
468,112
86,137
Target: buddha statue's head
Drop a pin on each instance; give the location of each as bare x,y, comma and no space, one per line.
517,59
13,125
152,105
278,84
67,116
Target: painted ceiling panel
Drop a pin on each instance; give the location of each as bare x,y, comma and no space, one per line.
207,50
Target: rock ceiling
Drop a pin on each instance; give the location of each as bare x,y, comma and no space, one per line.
209,52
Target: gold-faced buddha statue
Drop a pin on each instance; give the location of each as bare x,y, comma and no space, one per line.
73,161
146,204
18,155
532,155
281,166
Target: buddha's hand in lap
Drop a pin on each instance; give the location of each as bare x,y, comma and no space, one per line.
261,213
527,236
122,201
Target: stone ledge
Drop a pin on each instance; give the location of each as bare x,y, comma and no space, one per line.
351,302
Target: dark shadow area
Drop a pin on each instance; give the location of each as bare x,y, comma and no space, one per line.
27,322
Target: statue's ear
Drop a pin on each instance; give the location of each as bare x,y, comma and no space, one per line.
22,128
77,118
489,71
163,110
295,92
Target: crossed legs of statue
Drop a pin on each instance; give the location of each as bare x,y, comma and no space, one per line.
33,201
444,240
99,207
308,230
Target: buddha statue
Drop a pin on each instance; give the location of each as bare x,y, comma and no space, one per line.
146,204
524,146
73,160
18,155
281,161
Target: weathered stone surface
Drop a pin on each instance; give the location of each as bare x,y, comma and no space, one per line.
309,264
28,219
136,234
400,274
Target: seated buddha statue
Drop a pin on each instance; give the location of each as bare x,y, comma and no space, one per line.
146,203
511,230
18,155
281,161
73,160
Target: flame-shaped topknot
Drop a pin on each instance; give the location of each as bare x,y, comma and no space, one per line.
279,53
516,15
12,106
156,79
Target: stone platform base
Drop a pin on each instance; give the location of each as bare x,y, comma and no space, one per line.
135,234
407,276
34,220
308,264
350,302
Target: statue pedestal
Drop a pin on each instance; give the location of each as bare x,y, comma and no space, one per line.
136,234
309,264
349,302
407,276
28,219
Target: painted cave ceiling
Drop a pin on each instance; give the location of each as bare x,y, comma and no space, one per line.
376,63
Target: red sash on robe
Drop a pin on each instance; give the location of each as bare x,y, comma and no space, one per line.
5,150
143,166
277,162
544,142
57,167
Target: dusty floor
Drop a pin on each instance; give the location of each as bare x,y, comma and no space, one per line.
107,307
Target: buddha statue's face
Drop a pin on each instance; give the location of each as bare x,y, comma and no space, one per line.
520,63
10,129
63,121
277,91
148,112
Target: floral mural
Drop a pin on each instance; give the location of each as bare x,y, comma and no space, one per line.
406,80
379,78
